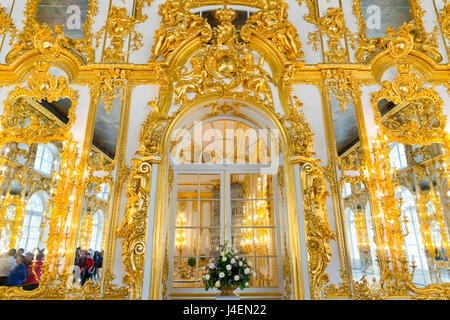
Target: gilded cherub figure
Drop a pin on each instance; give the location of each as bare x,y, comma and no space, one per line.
192,81
272,23
255,77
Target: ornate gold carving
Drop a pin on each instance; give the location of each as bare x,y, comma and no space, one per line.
40,85
6,23
35,35
444,20
152,131
410,35
318,230
224,66
286,272
178,25
98,161
108,86
299,130
133,228
272,24
332,24
110,290
418,117
118,27
343,85
333,291
353,159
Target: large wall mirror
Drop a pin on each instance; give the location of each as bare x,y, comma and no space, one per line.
359,230
36,171
381,14
414,129
91,239
70,13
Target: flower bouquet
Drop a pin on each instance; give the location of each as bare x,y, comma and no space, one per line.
227,271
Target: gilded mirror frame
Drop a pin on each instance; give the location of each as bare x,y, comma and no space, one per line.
365,47
84,46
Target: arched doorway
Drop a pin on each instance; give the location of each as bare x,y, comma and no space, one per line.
225,167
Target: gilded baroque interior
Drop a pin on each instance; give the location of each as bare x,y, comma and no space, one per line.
310,135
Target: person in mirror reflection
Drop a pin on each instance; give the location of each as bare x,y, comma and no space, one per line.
32,280
76,266
29,257
82,262
98,261
20,252
88,269
7,263
18,274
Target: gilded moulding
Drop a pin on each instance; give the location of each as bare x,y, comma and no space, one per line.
421,106
318,230
344,86
6,23
26,39
118,28
444,20
40,85
133,228
331,174
332,24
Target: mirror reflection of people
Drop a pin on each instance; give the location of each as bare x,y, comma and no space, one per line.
88,269
29,258
7,263
76,266
33,270
18,274
98,261
20,252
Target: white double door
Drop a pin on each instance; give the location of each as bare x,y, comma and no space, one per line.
238,204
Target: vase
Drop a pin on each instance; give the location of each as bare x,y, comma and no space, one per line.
227,292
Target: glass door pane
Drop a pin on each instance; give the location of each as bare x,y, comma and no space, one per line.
197,227
253,227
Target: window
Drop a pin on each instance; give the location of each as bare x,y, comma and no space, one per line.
397,156
104,192
347,189
6,228
31,230
353,240
97,231
44,159
413,240
200,222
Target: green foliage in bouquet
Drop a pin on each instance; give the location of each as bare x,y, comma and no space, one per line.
226,269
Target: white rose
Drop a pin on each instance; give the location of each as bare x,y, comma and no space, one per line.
211,265
236,278
233,261
240,263
217,248
207,276
217,283
224,259
246,284
221,275
222,253
246,270
249,263
228,267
